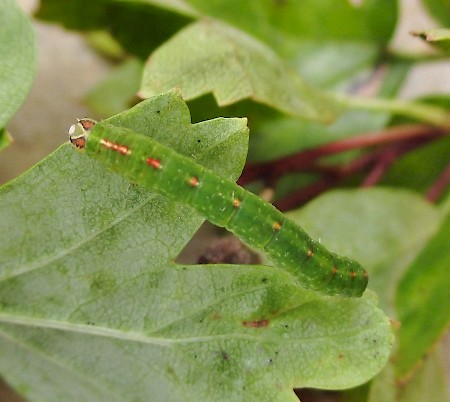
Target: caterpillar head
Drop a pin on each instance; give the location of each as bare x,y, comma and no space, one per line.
79,132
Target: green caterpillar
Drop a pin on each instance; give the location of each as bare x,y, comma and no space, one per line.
144,161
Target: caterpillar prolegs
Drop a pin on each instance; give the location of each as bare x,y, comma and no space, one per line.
151,164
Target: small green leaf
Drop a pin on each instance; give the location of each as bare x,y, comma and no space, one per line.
104,43
92,305
17,58
438,37
5,138
209,56
422,297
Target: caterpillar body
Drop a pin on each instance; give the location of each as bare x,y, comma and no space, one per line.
151,164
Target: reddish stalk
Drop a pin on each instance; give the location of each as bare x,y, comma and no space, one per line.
333,176
376,162
386,158
300,161
438,187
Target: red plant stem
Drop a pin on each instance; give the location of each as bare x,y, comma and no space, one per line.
386,158
333,175
439,186
301,160
380,168
302,196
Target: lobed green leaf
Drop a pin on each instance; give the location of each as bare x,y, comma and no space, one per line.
208,56
95,308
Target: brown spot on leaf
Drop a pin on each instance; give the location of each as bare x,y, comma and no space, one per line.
256,323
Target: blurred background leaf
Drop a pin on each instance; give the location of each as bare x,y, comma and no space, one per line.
17,68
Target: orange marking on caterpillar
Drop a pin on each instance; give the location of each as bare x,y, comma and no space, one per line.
154,163
114,146
309,253
353,274
236,202
106,143
193,181
124,150
276,226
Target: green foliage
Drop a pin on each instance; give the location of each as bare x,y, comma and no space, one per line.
17,59
233,66
92,304
187,330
